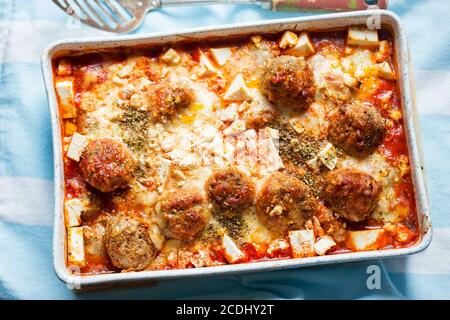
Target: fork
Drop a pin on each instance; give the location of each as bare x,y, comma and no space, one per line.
122,16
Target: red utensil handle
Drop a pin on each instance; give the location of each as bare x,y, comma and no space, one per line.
332,5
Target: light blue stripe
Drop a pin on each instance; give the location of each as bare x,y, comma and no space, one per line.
436,138
25,130
419,286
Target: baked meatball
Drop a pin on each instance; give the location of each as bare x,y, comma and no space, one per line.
287,81
230,191
183,214
106,164
285,203
356,128
351,193
128,243
165,99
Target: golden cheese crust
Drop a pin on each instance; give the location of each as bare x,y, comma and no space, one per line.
271,146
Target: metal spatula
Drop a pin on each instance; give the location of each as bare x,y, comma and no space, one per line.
124,16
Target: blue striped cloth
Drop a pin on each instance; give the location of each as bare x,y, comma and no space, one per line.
26,166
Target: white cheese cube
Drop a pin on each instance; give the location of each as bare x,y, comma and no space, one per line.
156,236
238,90
313,163
66,95
76,147
296,124
302,243
171,57
328,156
303,48
190,161
230,113
75,246
268,152
64,68
288,40
164,170
324,244
350,81
236,128
364,240
232,252
126,70
385,71
362,37
220,55
277,245
206,67
73,209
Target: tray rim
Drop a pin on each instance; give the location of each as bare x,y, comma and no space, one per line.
342,19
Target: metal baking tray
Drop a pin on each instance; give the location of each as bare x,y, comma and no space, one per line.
386,19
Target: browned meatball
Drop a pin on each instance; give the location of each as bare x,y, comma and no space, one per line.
351,193
356,128
128,243
285,203
183,214
165,99
230,191
106,164
287,81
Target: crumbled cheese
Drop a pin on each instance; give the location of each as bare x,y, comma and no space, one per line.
238,90
220,55
188,162
303,48
156,236
207,133
73,209
288,40
75,246
323,245
235,128
302,243
362,37
167,141
360,64
232,251
64,90
76,147
229,114
171,57
126,70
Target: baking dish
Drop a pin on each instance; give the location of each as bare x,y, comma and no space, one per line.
329,21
